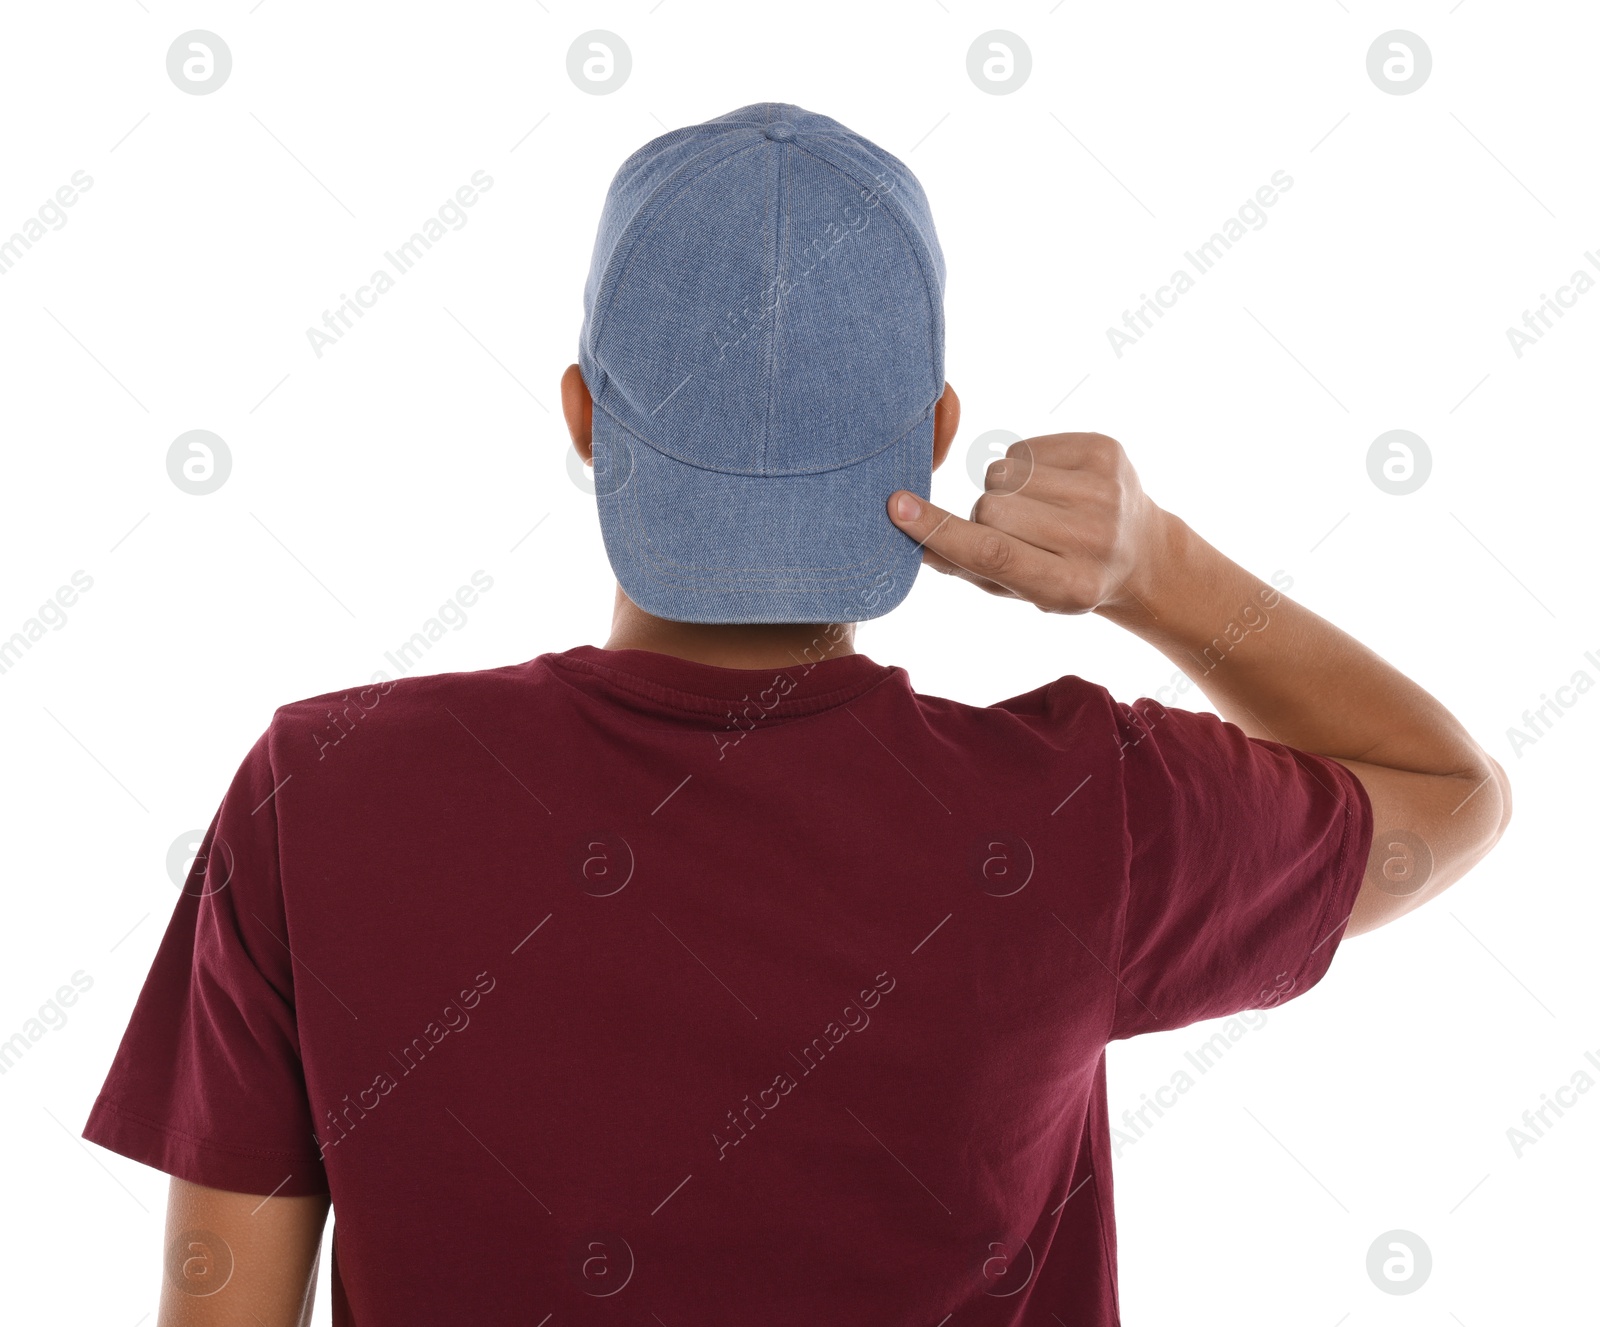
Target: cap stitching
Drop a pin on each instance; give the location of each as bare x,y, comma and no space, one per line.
918,249
781,474
780,238
643,222
656,205
635,527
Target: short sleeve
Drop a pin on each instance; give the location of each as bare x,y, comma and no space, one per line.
1245,858
207,1084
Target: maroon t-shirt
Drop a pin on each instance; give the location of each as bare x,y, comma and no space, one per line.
622,988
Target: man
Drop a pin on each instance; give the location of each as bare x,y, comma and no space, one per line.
716,976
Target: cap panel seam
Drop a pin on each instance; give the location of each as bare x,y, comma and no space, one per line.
648,217
913,241
644,221
780,238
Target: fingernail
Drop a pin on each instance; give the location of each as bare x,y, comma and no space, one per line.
907,508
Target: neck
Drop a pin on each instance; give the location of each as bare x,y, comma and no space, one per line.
731,645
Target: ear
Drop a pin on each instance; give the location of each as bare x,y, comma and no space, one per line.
578,407
946,419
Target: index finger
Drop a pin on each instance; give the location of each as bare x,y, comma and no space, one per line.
984,552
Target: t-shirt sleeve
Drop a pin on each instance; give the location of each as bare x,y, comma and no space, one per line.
1245,858
207,1084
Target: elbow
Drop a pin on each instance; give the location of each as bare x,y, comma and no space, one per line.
1503,784
1483,817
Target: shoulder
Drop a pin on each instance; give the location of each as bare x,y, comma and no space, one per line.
395,708
1067,722
1067,702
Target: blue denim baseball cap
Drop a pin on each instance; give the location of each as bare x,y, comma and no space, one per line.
763,338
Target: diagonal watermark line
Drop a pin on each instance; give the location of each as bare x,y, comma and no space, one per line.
1333,931
1296,359
285,547
674,392
114,547
1485,547
1107,169
129,134
1073,793
533,932
524,539
1329,134
672,794
97,1162
898,1162
271,1195
96,359
1296,1160
263,400
285,779
526,136
669,1197
696,957
929,134
1068,1198
1469,1194
496,359
131,930
1096,957
1068,396
1507,169
1468,396
1314,547
1508,971
1473,793
114,779
307,169
502,1164
898,761
294,957
498,761
933,932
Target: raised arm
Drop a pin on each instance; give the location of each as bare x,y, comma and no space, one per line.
239,1258
1065,525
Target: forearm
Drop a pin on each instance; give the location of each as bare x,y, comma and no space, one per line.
1279,671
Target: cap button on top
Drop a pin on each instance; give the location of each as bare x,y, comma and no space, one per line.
780,131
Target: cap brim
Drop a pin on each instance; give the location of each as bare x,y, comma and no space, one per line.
694,545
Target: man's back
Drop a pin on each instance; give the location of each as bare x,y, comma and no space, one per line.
718,994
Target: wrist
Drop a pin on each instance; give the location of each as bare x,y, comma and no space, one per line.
1147,593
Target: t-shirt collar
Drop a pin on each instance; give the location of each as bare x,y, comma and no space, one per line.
811,684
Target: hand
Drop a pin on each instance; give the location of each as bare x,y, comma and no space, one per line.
1062,524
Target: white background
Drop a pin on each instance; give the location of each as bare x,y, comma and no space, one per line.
369,483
